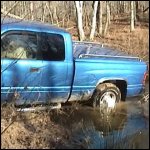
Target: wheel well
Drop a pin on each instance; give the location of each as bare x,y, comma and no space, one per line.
122,85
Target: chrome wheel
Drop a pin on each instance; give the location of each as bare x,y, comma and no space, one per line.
109,99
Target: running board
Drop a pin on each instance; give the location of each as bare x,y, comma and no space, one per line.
39,108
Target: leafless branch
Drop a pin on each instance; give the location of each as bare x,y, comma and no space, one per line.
8,12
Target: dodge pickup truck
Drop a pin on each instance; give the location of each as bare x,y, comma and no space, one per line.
40,64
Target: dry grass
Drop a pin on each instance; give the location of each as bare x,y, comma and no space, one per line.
135,43
31,130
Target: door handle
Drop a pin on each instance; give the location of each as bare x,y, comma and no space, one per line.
34,69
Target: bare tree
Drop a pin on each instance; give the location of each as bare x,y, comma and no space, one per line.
94,20
100,17
107,18
49,10
132,16
55,17
79,6
31,10
108,11
7,12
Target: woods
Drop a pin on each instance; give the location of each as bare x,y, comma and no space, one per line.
92,15
88,20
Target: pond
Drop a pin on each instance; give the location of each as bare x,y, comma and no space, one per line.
125,128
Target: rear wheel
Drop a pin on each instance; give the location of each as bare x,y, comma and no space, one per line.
106,96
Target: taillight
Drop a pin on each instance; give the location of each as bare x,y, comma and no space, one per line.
145,75
144,79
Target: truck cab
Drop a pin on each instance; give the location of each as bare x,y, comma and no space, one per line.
44,71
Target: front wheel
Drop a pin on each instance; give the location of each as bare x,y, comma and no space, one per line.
106,96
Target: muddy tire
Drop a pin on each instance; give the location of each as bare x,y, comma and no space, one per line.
106,96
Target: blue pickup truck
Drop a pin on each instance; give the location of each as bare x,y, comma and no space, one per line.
40,64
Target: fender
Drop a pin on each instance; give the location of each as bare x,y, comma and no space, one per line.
109,78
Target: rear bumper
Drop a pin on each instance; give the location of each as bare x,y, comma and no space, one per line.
136,91
142,91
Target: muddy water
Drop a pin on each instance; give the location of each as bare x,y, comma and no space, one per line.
127,127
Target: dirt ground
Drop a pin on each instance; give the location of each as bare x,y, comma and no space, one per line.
31,130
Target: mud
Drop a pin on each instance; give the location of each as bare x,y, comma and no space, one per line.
126,128
78,126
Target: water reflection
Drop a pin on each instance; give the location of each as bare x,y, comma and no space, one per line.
90,129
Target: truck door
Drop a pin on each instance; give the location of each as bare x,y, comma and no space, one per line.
33,67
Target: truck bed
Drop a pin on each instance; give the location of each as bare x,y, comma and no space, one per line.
96,50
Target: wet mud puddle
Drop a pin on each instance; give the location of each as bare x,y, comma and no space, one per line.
127,127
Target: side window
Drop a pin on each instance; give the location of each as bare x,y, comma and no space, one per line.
19,45
52,47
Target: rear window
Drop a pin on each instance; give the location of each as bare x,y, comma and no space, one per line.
52,46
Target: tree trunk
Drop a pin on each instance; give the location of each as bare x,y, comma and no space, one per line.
94,21
108,12
137,5
132,16
123,6
79,12
107,18
47,3
135,19
101,18
31,10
